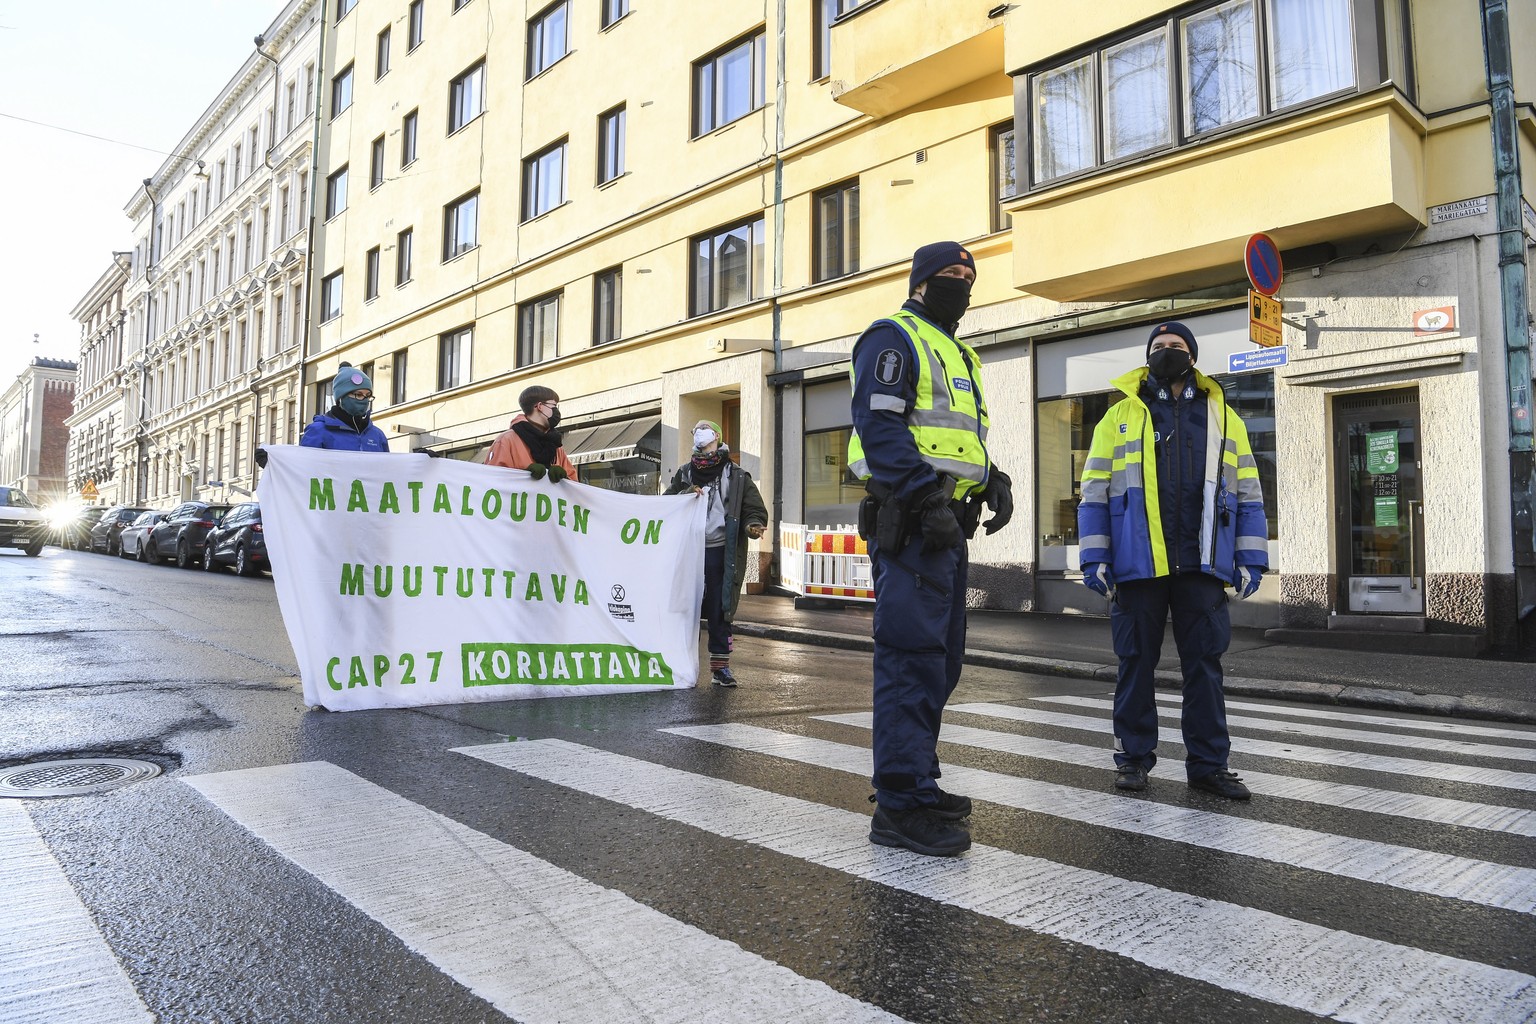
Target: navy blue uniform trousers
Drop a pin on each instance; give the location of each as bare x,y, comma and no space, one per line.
919,648
1202,630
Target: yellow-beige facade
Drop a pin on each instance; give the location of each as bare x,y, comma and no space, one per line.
717,253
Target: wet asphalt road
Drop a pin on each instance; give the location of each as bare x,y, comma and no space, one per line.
213,919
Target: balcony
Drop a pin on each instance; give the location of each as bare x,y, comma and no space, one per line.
1179,221
895,54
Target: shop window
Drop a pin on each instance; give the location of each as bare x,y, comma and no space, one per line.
1065,433
832,492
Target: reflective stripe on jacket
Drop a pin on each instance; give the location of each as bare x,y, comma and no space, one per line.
949,422
1120,499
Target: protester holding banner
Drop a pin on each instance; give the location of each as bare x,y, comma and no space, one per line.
347,425
733,498
531,441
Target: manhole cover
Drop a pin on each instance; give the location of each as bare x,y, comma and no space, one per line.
73,778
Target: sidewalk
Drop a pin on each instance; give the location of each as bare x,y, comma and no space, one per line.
1078,647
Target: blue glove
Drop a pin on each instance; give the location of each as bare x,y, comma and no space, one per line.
1246,580
1098,578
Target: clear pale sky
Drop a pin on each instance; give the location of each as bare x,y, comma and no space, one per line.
137,71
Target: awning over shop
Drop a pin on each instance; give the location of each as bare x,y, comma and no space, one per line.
610,442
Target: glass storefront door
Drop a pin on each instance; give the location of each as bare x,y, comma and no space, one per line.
1380,508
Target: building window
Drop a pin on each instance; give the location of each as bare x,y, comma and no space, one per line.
1004,180
453,358
403,256
607,299
548,37
341,91
610,144
371,275
330,297
336,193
397,377
466,97
1115,103
381,55
538,328
376,163
727,267
413,26
344,8
825,12
544,181
613,10
459,5
408,139
461,226
291,106
728,84
837,230
309,88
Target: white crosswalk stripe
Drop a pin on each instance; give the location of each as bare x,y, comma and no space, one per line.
1437,874
54,965
1257,953
1440,810
1375,737
471,905
1362,718
1445,772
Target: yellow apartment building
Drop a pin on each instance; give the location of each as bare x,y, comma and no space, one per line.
674,210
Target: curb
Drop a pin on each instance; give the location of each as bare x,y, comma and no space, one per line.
1341,694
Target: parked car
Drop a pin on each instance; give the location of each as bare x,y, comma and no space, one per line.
238,540
130,543
73,531
22,524
109,528
182,534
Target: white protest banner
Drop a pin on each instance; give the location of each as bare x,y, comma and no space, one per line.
406,580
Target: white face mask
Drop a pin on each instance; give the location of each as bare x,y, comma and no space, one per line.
702,436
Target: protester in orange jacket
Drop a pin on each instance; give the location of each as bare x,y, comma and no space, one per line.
531,442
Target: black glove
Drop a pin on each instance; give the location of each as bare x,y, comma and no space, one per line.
557,473
537,470
998,496
261,457
429,453
941,530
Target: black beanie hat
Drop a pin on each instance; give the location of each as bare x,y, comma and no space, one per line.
934,257
1178,330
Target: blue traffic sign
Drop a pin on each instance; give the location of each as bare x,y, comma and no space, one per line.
1259,359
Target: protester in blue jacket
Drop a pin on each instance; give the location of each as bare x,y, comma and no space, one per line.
347,425
1172,514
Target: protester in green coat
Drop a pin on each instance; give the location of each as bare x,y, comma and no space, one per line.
736,512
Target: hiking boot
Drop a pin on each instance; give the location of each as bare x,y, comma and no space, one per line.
1223,783
920,830
723,677
952,806
1132,777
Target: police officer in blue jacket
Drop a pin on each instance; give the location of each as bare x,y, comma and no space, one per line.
920,425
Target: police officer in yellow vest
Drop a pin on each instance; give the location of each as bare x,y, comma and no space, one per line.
920,428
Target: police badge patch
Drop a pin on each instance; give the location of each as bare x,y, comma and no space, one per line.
888,366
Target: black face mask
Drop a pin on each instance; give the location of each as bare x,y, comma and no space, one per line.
1169,364
947,298
554,418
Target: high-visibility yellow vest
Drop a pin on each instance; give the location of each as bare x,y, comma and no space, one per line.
949,418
